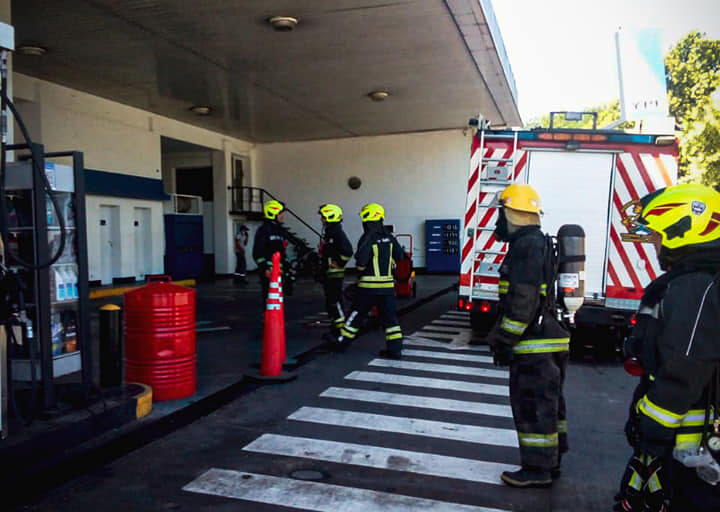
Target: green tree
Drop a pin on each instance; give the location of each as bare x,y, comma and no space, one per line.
693,77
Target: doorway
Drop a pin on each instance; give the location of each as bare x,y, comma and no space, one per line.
109,243
143,243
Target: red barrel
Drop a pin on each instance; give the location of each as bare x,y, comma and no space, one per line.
160,346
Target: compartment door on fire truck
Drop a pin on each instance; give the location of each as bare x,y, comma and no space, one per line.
575,188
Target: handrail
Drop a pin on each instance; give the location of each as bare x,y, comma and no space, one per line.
264,192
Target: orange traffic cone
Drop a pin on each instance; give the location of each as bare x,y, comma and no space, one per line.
273,347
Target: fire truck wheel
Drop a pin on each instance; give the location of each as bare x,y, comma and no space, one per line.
481,322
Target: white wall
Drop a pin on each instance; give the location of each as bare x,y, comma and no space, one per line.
415,177
118,138
127,234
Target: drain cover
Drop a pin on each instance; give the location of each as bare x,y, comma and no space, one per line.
307,474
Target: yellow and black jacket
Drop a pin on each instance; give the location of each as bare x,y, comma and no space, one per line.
680,352
269,239
376,254
337,249
527,322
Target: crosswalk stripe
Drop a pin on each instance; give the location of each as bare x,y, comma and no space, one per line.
379,457
419,341
447,355
423,382
445,328
412,426
448,321
440,368
457,313
443,335
422,402
315,496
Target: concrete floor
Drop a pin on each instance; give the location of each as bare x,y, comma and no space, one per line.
153,477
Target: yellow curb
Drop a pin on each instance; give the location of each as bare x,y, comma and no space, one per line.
143,401
116,292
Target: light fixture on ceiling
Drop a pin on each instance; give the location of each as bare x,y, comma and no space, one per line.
283,23
378,95
201,110
32,50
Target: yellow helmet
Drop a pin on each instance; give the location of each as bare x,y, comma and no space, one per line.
331,212
272,209
371,212
683,214
521,197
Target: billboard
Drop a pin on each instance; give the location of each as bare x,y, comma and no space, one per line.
641,71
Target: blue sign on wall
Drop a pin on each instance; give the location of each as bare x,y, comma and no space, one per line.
442,245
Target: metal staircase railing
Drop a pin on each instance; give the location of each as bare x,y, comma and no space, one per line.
249,201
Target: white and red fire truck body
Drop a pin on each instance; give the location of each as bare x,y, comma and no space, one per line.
593,178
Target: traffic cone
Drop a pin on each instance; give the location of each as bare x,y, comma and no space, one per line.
273,347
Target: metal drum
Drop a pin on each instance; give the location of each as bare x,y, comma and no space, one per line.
160,345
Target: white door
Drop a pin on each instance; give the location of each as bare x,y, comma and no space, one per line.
109,243
143,243
575,188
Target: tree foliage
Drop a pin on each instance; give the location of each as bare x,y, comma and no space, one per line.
693,77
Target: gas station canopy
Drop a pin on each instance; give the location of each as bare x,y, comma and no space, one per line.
439,61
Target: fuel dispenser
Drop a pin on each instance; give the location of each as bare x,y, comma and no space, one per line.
44,322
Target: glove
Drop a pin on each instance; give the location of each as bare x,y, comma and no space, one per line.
641,488
630,498
502,354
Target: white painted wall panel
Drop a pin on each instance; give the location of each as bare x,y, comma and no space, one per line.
415,176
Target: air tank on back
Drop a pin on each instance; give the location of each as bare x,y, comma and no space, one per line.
571,268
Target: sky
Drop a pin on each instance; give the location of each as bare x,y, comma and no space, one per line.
562,52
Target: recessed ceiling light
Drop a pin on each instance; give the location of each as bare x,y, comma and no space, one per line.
201,110
35,51
378,95
283,23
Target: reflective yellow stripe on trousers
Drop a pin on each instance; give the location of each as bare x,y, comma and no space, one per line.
542,346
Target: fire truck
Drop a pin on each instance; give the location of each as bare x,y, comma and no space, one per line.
590,177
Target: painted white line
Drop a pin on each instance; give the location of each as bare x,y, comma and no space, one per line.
315,496
456,314
446,328
410,426
383,458
422,402
442,335
453,322
419,341
446,355
440,368
422,382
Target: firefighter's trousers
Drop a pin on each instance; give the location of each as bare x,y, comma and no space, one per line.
538,406
386,307
334,303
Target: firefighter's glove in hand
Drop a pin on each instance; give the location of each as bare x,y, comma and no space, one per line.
502,354
630,498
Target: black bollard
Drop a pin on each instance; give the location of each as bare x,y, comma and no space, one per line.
111,355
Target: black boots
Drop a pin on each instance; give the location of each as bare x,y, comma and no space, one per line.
527,477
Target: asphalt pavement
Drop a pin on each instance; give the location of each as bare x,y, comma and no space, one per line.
355,432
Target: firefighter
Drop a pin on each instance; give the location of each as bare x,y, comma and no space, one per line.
335,252
676,342
377,250
269,239
528,338
241,241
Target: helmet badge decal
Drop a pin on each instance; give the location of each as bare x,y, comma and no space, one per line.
698,207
